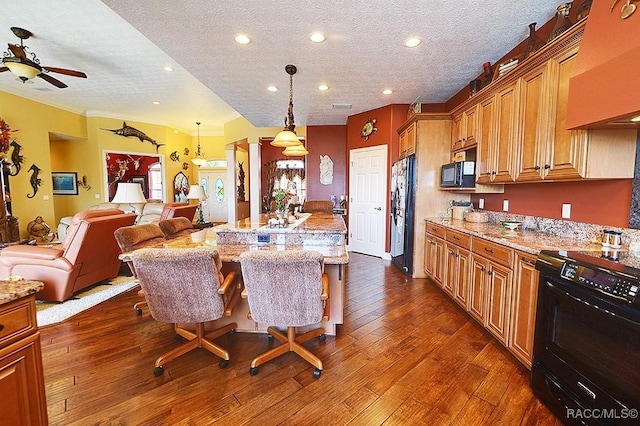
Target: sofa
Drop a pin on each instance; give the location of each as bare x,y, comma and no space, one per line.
87,255
145,213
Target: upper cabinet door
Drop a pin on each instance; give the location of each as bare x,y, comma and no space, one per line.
534,122
485,137
506,143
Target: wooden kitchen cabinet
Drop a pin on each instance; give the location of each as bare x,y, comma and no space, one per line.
407,143
464,129
490,286
21,373
522,133
502,146
524,300
435,254
458,263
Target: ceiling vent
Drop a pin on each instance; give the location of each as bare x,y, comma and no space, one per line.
341,106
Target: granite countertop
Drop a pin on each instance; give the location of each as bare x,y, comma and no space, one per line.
333,254
528,241
11,290
309,223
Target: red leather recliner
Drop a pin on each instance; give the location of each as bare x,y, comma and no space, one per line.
88,254
172,210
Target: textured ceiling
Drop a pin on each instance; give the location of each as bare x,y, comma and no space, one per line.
124,45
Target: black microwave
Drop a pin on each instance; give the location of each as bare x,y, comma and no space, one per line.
461,174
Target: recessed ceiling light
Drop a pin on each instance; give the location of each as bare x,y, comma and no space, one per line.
323,87
317,37
242,39
156,103
168,68
636,119
412,42
387,91
272,88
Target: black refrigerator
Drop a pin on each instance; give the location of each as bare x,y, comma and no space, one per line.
403,198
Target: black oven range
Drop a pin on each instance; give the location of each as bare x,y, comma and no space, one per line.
586,355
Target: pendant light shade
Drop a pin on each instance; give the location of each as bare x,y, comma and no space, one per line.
295,151
287,137
199,159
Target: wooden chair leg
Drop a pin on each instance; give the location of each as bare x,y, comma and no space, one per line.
290,343
197,340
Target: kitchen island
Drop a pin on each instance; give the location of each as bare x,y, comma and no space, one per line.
322,232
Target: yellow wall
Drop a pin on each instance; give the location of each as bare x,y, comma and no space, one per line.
63,141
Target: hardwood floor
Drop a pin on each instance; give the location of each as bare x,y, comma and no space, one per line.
406,354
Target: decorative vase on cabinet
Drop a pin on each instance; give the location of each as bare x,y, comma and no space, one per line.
533,42
562,21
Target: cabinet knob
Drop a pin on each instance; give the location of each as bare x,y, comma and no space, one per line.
377,208
546,166
536,168
493,173
482,269
487,249
490,273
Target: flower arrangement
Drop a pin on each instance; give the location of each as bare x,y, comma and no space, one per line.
5,135
282,199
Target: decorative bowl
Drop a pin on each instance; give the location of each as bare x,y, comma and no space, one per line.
511,225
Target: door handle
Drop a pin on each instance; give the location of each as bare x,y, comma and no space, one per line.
377,208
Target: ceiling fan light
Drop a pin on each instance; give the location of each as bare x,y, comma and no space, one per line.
285,139
295,151
22,70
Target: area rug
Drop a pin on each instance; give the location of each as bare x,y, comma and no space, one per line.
51,313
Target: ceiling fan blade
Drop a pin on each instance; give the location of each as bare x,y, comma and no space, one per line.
17,51
66,72
52,80
3,69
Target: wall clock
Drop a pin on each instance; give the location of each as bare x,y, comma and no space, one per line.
368,129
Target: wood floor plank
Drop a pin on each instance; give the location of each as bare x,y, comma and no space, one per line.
406,354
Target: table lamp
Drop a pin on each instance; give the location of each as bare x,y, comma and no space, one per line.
196,192
129,193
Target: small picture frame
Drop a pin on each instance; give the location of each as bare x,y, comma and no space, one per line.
504,68
65,183
142,180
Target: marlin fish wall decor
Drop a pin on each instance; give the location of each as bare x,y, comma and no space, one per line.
131,131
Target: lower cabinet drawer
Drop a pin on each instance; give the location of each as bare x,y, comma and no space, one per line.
17,319
492,251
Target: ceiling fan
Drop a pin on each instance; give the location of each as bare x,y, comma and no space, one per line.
15,60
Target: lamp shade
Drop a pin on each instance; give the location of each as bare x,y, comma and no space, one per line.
295,151
196,192
286,138
129,193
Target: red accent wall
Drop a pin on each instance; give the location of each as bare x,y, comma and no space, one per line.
604,202
113,167
331,141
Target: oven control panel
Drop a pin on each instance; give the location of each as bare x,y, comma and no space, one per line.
625,288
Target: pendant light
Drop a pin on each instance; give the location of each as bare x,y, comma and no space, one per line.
287,137
295,151
199,159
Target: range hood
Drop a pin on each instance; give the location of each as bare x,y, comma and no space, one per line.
604,89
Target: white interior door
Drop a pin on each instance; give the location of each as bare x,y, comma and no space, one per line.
367,199
216,208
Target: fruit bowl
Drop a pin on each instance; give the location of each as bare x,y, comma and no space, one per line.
511,225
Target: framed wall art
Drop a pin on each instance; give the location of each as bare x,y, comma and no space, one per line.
142,180
65,183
